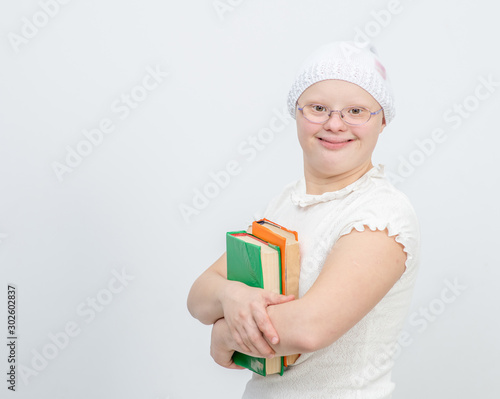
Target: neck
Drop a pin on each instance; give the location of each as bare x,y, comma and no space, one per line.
317,183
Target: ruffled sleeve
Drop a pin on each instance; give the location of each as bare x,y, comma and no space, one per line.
387,208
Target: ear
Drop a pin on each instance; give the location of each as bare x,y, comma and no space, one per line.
383,125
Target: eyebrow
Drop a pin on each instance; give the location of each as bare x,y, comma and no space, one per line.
319,99
347,104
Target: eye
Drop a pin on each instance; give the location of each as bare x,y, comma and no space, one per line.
356,111
318,108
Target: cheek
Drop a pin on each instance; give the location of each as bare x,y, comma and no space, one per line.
306,131
368,136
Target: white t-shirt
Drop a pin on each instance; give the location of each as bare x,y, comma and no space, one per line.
359,364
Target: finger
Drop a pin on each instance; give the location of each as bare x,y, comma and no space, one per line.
235,367
229,364
253,343
240,343
258,344
276,299
249,340
263,349
266,327
239,336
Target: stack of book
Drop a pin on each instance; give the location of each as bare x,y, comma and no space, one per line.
265,256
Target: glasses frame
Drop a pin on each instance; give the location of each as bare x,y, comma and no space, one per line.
342,116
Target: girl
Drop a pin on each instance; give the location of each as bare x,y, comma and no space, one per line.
359,242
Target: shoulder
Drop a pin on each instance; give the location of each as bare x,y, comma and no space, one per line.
382,199
382,206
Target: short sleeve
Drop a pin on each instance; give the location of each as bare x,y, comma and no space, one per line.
388,208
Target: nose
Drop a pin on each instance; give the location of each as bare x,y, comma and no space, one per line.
335,122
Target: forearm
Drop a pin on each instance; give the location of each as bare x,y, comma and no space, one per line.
289,320
213,297
295,326
349,286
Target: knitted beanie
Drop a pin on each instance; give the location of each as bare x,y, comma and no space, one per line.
345,61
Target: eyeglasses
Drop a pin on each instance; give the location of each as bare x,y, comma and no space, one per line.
356,116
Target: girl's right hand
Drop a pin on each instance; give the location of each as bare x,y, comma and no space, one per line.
245,312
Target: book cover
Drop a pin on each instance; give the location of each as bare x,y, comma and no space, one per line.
287,240
256,263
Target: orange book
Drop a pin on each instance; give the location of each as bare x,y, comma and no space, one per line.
287,241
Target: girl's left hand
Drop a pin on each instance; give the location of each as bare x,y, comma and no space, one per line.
220,347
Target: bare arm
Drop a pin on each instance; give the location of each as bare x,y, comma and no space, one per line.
361,268
359,271
213,297
204,300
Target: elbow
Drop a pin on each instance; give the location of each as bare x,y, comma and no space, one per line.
191,306
198,314
195,308
314,335
308,342
311,339
305,343
199,310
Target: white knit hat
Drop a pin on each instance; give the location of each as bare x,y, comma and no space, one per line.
345,61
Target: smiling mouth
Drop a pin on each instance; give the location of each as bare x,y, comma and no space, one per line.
336,142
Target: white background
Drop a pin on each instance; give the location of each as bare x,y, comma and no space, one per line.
229,71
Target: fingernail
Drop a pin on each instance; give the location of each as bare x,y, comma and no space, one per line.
274,340
270,356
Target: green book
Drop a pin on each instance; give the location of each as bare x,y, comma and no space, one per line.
256,263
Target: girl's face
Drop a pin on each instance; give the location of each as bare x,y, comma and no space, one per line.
336,148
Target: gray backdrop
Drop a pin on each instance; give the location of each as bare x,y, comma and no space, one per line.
135,134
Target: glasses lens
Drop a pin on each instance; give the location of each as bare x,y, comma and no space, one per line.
356,115
316,113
